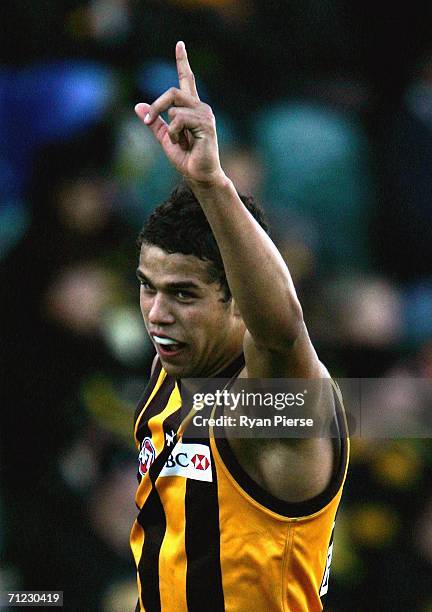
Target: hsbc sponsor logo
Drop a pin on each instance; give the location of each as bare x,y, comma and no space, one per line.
200,462
189,461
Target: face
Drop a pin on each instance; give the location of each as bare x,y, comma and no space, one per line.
194,331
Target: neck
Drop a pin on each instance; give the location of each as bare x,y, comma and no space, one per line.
229,361
219,368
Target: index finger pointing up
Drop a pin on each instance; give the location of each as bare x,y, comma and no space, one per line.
185,74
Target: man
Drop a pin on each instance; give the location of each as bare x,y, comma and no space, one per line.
225,523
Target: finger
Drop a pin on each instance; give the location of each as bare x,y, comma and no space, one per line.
182,138
171,97
185,75
158,127
183,120
141,110
178,133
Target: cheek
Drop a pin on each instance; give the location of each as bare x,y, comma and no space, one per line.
211,329
144,306
195,325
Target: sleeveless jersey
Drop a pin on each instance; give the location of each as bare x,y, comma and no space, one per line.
207,536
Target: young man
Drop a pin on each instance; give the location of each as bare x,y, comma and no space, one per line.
225,523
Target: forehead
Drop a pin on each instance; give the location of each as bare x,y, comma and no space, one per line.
158,265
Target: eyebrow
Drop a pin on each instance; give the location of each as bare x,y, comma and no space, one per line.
184,284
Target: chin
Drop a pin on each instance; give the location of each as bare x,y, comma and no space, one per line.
177,371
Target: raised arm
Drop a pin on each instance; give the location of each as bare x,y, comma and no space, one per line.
276,341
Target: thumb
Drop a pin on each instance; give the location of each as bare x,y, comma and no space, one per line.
142,109
158,126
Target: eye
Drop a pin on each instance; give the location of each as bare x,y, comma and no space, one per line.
184,296
145,285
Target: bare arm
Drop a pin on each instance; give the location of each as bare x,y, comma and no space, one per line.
257,275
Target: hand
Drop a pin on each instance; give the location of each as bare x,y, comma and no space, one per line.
189,141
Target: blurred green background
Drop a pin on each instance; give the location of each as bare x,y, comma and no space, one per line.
324,114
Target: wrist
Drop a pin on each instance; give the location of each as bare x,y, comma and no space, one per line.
212,184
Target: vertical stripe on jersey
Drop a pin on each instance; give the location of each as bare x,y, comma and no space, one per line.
136,541
151,385
139,605
202,539
153,522
145,429
172,555
152,518
148,401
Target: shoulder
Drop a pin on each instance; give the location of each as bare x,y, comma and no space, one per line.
297,469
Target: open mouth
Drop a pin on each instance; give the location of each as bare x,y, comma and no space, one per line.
168,345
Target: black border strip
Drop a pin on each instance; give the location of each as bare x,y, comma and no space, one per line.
269,501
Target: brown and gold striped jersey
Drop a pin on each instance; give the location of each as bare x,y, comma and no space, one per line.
207,537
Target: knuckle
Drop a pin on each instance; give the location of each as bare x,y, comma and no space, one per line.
174,125
208,112
175,120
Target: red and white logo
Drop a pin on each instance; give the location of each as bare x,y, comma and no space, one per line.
189,460
200,462
147,456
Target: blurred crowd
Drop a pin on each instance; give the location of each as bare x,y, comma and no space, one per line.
324,115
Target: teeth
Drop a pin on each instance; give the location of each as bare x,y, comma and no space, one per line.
164,340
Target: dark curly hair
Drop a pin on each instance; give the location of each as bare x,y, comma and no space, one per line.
179,225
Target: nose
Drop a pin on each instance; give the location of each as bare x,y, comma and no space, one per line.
159,311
